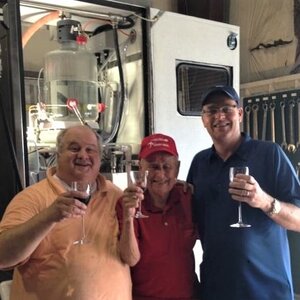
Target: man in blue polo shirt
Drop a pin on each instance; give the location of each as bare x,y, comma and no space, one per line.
248,263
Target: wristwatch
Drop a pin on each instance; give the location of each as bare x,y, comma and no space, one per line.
275,207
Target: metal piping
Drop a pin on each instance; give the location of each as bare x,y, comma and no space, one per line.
74,11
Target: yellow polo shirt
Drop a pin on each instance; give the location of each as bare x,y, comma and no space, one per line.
58,269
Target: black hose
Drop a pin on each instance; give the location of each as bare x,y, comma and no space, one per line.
129,22
122,88
102,28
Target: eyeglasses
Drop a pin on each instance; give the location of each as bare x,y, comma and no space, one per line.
227,109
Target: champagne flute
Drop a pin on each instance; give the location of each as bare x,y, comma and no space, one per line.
232,172
85,189
139,178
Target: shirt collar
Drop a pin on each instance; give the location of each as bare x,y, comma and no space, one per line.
241,151
174,197
68,188
101,184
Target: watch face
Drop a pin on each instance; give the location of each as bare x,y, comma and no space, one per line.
277,207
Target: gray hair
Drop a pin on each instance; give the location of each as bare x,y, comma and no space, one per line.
61,135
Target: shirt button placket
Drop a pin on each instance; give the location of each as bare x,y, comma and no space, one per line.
164,220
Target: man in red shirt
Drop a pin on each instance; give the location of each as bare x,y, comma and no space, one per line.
159,248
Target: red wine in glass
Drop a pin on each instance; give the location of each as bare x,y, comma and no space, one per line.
86,189
84,200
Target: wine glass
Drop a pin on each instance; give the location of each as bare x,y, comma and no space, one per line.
232,172
139,178
85,189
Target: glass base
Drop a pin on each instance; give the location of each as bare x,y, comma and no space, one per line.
240,225
139,215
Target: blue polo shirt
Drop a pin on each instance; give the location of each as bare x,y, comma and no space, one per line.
243,263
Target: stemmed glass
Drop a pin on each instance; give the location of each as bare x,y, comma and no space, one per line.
85,189
139,178
232,172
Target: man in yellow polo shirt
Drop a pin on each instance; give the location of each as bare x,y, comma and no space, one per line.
42,222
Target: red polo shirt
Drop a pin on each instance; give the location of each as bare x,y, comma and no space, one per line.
166,239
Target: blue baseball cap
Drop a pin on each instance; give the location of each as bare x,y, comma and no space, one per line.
225,89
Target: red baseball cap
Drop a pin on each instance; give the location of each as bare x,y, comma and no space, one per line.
157,143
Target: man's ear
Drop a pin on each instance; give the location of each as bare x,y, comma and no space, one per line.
178,167
241,113
142,163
